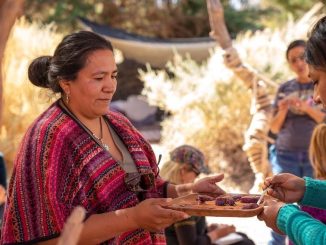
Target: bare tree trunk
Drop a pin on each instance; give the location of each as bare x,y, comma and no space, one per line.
216,20
256,135
9,11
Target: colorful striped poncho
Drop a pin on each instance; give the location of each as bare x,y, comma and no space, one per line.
59,166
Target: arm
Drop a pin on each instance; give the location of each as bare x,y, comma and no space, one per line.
148,215
280,116
73,227
300,226
277,121
204,185
315,194
174,191
99,227
315,114
290,188
287,218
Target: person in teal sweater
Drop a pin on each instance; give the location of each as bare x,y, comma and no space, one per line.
288,218
287,188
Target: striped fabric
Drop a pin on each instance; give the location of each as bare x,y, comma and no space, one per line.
59,166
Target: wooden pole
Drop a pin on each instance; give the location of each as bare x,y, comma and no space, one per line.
216,20
256,135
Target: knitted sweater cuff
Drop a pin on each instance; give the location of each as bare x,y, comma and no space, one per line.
314,193
284,214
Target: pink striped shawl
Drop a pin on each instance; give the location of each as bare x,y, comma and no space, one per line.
59,166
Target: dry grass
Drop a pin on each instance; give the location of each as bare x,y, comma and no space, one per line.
23,102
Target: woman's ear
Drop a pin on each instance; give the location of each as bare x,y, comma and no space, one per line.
65,86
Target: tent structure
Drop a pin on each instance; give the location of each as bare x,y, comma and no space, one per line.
157,52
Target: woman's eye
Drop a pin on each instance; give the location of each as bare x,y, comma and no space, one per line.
114,77
98,78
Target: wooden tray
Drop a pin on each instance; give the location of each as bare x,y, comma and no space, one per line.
190,205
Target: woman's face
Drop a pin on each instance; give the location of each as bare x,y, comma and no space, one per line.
91,92
319,79
297,62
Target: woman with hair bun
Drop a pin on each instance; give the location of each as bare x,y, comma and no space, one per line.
78,153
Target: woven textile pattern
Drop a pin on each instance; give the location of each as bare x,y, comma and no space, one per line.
59,166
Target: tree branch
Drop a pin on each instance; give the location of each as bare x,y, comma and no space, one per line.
216,20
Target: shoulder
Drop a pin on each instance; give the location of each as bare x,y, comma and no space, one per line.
44,120
51,128
49,115
51,121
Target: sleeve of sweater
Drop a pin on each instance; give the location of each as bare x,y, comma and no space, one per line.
300,226
315,194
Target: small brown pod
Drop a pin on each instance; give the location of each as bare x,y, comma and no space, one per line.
236,197
203,198
249,199
230,201
220,201
250,206
224,201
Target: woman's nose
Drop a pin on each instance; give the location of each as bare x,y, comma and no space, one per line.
110,83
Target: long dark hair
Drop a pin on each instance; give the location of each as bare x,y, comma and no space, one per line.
68,59
315,54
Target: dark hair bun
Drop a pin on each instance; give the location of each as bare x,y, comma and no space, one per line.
38,71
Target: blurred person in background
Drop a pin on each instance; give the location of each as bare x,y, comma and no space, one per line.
185,164
280,215
294,119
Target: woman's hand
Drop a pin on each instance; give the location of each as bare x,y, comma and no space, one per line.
300,105
269,214
208,185
151,215
285,187
283,105
73,227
